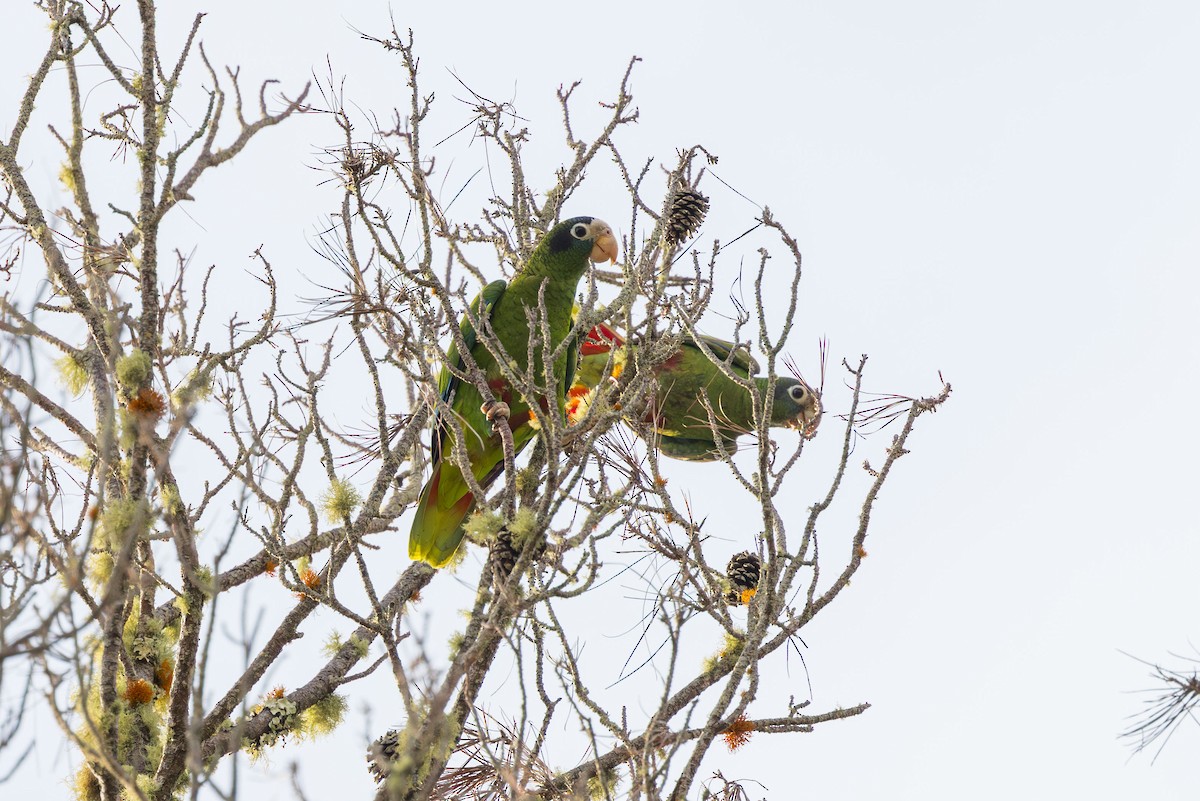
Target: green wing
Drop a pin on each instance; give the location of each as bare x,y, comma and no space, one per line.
448,382
572,356
738,356
694,450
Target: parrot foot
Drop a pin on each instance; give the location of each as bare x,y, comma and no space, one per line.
497,413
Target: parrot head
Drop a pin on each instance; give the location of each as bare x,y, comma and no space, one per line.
796,406
583,235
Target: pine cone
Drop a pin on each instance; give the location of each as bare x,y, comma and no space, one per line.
685,213
381,754
743,571
504,555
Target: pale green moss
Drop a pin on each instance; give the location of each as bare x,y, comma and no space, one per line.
72,373
196,387
324,716
339,501
528,477
168,495
146,783
361,646
134,369
204,580
67,176
100,566
483,525
85,787
334,644
121,520
522,525
731,648
604,786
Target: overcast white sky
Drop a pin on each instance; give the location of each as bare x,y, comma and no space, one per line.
1007,192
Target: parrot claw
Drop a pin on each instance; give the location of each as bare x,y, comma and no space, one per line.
496,412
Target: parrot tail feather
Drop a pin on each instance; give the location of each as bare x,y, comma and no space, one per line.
437,531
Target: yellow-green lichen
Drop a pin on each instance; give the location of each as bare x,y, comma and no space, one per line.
528,477
604,785
334,644
324,716
73,374
731,648
168,495
339,501
122,520
196,387
100,566
85,787
67,176
134,369
147,784
483,525
524,522
204,581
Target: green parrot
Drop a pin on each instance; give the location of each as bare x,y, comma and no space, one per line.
677,412
558,262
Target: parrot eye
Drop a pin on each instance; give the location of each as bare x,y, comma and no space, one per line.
797,393
579,231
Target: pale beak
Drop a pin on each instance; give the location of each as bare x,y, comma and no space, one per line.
811,421
605,247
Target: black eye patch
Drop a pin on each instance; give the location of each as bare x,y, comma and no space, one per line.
563,237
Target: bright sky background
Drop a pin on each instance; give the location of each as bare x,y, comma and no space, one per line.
1007,192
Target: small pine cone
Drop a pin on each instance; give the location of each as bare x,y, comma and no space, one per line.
743,571
685,213
504,555
381,754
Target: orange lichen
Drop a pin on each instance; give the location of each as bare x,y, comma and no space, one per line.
276,692
746,595
738,733
93,512
862,553
139,691
659,481
416,596
269,567
148,403
310,579
164,675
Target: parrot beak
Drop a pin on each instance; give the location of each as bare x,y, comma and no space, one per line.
605,247
809,420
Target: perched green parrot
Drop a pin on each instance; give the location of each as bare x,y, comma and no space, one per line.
558,262
677,412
